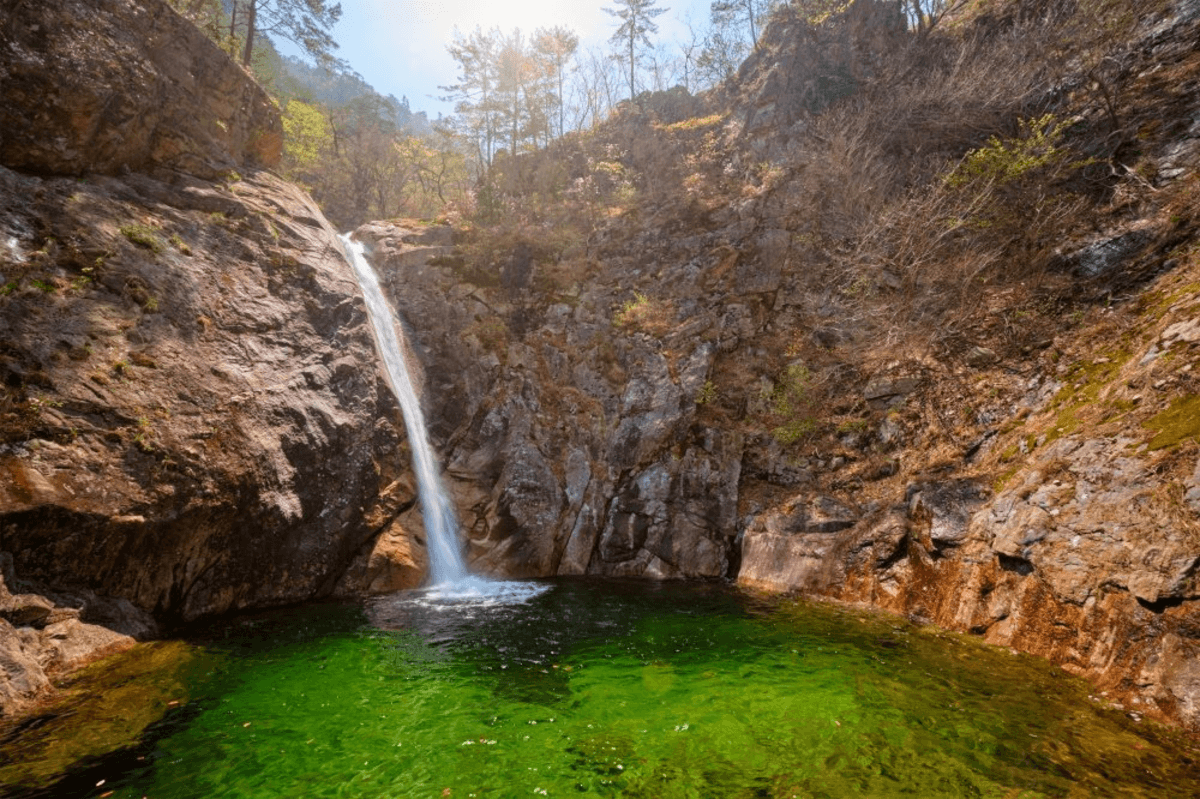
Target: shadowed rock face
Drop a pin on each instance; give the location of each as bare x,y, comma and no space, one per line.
557,467
100,86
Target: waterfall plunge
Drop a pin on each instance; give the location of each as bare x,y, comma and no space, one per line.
446,564
450,586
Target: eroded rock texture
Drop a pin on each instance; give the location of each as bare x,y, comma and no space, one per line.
192,420
98,86
200,415
571,450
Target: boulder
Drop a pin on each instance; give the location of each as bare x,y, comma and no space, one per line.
22,678
210,431
43,637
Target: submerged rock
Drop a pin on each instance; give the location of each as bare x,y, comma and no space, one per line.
42,637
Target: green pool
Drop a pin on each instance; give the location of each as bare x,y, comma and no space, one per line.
603,689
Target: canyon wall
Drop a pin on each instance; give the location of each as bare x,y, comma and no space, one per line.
708,382
192,420
597,412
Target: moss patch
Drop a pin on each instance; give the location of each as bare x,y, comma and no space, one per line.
1157,303
1179,422
144,236
1086,382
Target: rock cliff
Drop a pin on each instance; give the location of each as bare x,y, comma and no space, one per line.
709,388
784,345
572,447
191,416
102,86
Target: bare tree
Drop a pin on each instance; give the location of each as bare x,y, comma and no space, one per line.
748,14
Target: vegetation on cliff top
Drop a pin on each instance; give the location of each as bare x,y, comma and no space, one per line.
936,211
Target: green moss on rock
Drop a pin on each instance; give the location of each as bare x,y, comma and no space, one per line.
1179,422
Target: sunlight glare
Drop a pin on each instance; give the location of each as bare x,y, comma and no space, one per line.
584,16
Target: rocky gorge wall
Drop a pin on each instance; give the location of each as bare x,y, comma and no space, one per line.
554,440
1046,499
192,420
1085,551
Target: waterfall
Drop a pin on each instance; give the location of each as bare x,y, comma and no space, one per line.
446,564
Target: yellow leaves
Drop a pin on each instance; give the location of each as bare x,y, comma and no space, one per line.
695,123
305,133
1002,161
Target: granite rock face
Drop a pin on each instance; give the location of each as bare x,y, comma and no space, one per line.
192,418
571,446
102,86
197,422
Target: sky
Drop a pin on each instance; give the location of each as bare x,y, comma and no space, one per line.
399,46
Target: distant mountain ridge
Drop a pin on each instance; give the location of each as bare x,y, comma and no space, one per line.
338,89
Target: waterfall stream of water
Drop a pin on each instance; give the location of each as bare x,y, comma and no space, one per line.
446,565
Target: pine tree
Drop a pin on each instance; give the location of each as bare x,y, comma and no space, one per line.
305,22
637,23
475,97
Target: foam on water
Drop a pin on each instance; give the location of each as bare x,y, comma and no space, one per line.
474,591
449,611
14,248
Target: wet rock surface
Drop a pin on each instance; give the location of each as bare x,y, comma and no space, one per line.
46,636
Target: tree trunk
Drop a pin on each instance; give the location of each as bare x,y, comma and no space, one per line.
631,35
251,19
233,30
334,131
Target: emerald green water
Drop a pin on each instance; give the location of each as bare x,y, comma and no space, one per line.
617,690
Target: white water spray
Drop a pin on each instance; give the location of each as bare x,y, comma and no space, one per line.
446,564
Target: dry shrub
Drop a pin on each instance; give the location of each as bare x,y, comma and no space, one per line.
963,161
646,315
